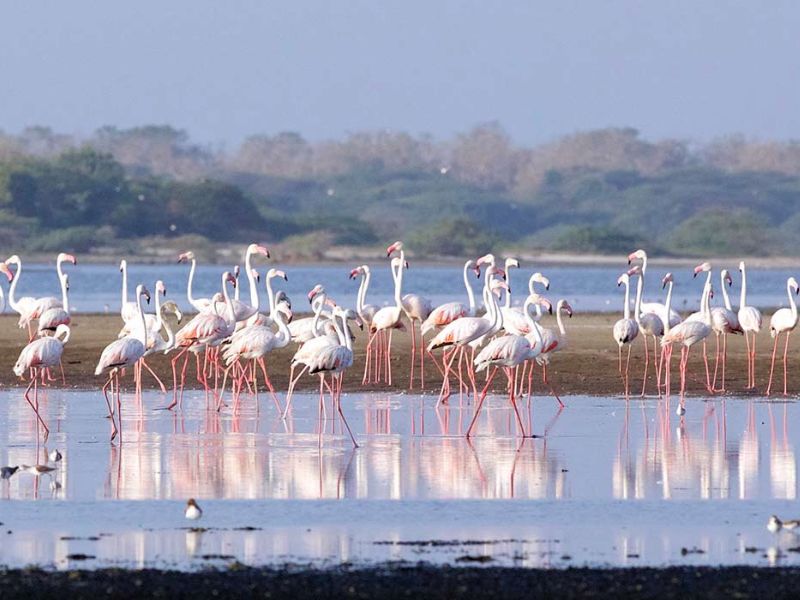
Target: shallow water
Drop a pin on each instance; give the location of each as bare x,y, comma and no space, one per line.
605,483
96,288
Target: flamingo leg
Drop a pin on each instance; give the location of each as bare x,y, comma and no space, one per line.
35,404
339,408
772,363
446,379
785,363
413,354
646,364
749,356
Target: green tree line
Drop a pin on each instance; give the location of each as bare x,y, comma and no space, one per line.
597,191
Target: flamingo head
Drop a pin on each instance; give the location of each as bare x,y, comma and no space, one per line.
236,271
355,273
161,288
511,262
793,285
6,271
470,265
143,291
637,255
64,257
702,268
278,273
486,259
564,305
623,279
186,257
500,284
539,278
541,301
171,307
635,270
123,265
258,249
741,266
317,289
227,277
667,279
726,276
396,247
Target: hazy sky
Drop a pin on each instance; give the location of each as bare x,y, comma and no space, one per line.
222,70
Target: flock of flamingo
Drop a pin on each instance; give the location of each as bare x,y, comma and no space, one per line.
657,320
231,338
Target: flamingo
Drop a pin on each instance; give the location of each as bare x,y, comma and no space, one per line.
653,307
242,310
462,331
417,309
127,309
199,304
334,359
750,322
307,328
514,321
364,310
120,354
508,352
28,307
51,318
253,343
41,354
626,329
687,334
650,324
445,314
783,321
554,341
389,318
205,331
275,304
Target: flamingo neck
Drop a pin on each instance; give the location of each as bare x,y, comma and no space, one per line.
59,261
64,295
170,334
124,284
270,297
284,335
65,339
159,318
626,309
534,327
667,305
508,281
561,323
231,320
725,296
792,303
319,304
190,282
743,293
398,282
367,280
251,280
470,293
141,315
637,305
12,288
705,303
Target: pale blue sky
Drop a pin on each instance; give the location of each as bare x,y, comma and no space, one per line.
222,70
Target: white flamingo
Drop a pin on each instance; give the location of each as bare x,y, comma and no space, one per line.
783,321
750,322
625,329
653,307
650,325
120,354
38,356
28,307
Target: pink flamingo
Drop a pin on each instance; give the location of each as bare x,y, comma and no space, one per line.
120,354
389,318
650,325
625,330
417,308
41,354
750,322
199,304
783,321
205,331
51,318
365,311
687,334
653,307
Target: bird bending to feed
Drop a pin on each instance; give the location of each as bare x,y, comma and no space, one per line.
37,469
55,456
193,511
7,472
774,525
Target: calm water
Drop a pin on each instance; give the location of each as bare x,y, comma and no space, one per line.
608,483
96,288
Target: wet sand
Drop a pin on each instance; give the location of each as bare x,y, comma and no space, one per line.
587,366
407,581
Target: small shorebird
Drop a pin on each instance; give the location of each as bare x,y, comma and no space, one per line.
7,472
774,525
192,511
37,469
55,456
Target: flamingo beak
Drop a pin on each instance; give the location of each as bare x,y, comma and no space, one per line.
262,250
353,274
477,271
391,249
182,257
6,271
406,264
71,259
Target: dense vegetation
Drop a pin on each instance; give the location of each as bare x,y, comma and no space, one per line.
601,191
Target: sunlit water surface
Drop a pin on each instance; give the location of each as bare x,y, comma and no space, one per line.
605,482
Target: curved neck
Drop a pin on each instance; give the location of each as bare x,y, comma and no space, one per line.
170,334
705,303
13,287
561,323
58,269
508,292
792,304
533,326
743,295
65,339
668,303
360,296
237,290
626,309
725,296
228,304
189,284
470,293
320,304
284,335
159,318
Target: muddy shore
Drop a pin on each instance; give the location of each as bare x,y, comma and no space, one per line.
587,366
417,581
